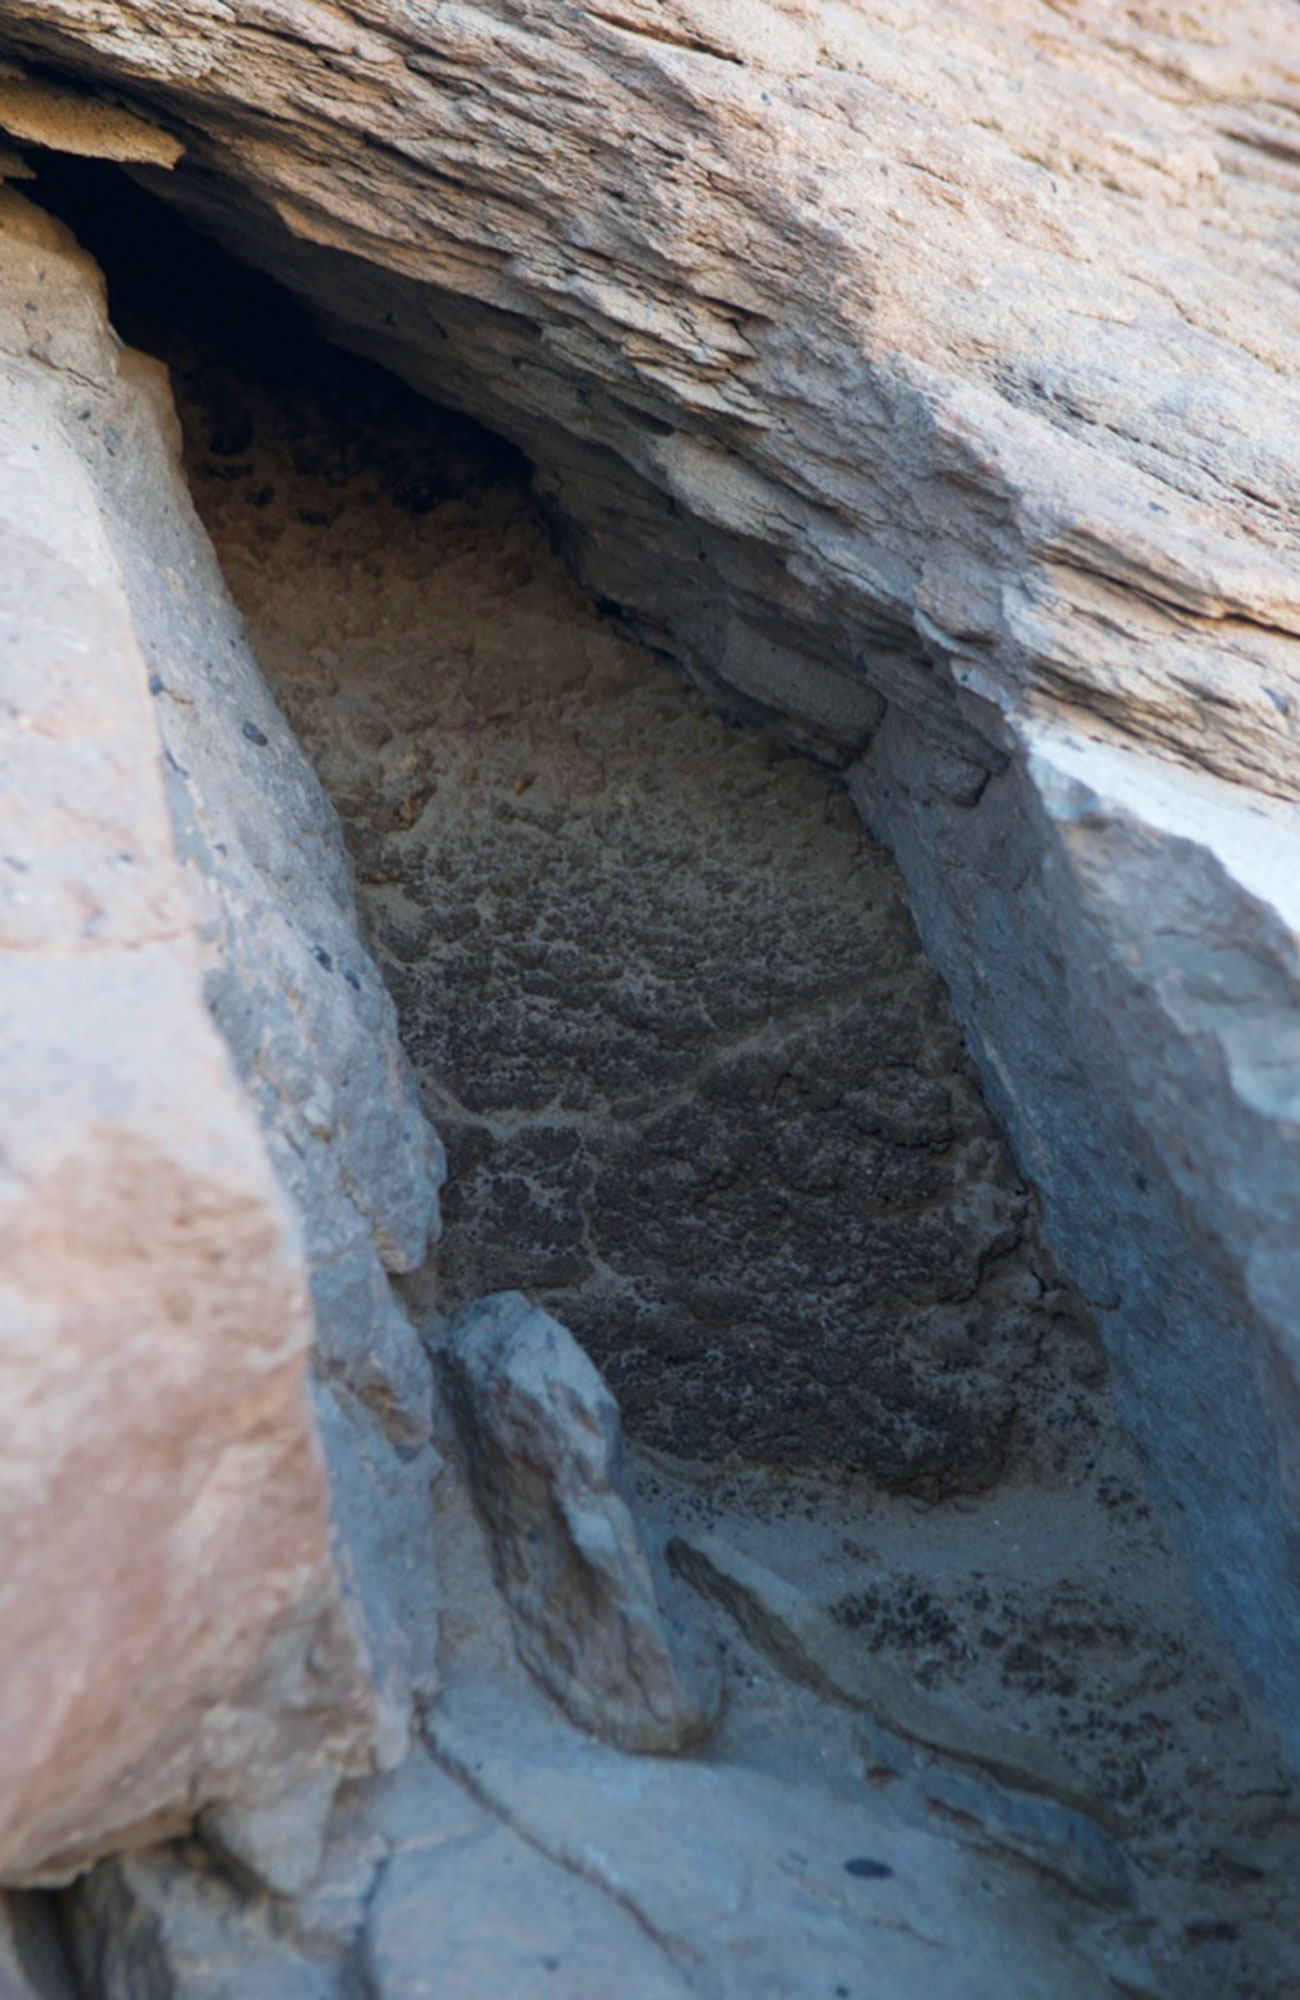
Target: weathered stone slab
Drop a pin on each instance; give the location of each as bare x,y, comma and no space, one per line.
162,1923
1136,1008
544,1450
754,1884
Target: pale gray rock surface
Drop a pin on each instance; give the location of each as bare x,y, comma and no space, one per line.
485,1915
1144,1051
544,1451
206,1117
757,1885
424,1891
279,1844
880,358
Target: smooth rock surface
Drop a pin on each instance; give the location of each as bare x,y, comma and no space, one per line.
544,1450
181,1617
485,1915
875,356
162,1922
758,1885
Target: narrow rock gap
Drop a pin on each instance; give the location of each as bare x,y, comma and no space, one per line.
702,1095
750,1157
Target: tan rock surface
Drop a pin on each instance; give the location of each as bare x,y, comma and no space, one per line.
174,1622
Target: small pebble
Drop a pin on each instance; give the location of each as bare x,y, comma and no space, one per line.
869,1870
256,735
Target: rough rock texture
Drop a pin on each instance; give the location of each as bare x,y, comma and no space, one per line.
185,1615
544,1449
928,360
703,1096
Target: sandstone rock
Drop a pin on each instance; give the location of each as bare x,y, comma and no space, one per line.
545,1457
807,1644
33,1959
927,366
182,1619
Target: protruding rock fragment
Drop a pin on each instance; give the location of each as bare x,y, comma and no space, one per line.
73,120
544,1445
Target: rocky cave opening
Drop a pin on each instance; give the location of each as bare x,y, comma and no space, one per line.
702,1095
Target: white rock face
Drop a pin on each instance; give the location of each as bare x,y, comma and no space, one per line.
179,1619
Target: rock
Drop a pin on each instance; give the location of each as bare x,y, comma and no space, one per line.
1060,1841
279,1843
757,1885
805,1642
178,1591
160,1922
1137,1025
544,1451
43,113
542,1931
928,384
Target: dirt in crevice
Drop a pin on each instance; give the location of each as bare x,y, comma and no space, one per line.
703,1096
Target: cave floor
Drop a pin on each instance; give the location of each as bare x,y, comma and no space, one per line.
703,1098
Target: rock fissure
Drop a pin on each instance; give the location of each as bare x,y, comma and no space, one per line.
680,1952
